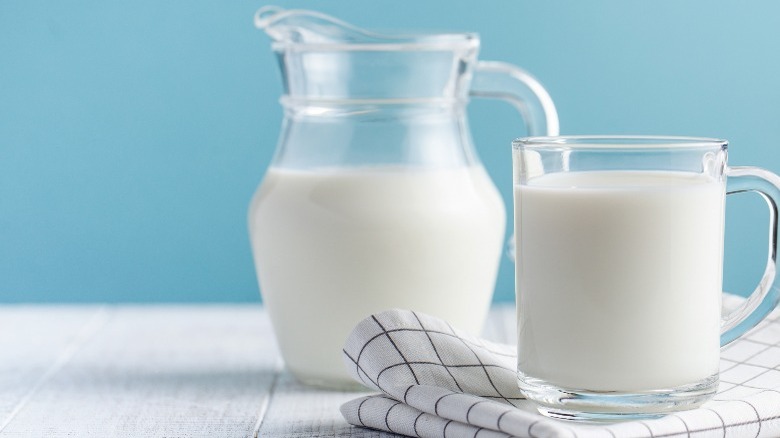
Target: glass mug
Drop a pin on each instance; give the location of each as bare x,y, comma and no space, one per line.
619,272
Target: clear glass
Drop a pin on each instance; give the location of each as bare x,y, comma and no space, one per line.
619,272
376,197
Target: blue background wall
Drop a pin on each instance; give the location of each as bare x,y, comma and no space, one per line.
132,135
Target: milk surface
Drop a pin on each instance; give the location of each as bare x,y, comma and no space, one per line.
333,246
619,278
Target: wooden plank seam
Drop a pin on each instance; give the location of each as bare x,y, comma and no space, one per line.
267,401
97,321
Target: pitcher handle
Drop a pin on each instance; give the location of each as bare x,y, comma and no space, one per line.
499,80
767,294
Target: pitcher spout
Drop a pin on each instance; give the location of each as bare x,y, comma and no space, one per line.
299,26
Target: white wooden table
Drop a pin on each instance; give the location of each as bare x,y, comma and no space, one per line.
161,371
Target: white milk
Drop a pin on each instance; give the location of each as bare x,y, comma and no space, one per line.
333,246
619,279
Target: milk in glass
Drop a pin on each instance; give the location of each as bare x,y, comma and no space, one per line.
619,278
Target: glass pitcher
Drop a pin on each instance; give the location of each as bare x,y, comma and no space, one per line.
376,198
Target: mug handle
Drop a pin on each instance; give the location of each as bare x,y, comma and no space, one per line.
766,296
507,82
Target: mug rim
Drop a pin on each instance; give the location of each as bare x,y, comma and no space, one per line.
618,142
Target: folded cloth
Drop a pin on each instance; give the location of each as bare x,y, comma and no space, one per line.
437,381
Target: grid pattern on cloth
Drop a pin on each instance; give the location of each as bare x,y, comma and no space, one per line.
436,381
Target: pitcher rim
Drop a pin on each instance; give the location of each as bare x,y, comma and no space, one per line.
422,41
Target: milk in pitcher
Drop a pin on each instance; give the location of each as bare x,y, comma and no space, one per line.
334,245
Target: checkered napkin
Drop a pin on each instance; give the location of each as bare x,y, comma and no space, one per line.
437,381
